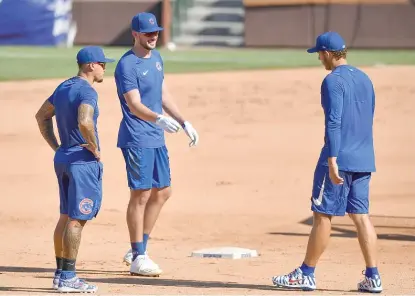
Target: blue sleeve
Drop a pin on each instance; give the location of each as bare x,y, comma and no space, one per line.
51,99
89,96
126,75
373,101
333,108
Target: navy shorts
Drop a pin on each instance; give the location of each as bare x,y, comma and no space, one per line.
147,167
337,200
80,189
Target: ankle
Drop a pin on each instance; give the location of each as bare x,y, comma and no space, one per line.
371,271
307,270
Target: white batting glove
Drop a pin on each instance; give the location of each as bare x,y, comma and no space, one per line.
191,133
168,124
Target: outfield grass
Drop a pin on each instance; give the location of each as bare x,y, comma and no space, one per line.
19,63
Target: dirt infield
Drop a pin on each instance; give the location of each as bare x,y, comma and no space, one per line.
247,184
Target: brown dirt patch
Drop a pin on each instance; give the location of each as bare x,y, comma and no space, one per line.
247,184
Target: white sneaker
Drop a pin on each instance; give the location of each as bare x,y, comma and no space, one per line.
76,285
296,280
128,258
144,266
371,284
56,279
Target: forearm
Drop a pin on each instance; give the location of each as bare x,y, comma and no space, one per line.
142,112
171,108
333,139
47,131
332,161
88,133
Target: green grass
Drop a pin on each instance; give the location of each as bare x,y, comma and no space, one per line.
19,63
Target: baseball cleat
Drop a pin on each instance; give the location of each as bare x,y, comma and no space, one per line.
144,266
56,279
76,285
128,258
371,284
295,280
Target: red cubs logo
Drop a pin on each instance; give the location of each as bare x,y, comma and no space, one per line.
85,206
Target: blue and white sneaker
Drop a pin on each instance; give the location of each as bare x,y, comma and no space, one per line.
76,285
56,279
371,284
295,280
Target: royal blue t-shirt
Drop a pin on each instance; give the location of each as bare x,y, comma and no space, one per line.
146,75
66,99
348,100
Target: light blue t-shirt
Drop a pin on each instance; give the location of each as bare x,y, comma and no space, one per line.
146,75
66,99
348,100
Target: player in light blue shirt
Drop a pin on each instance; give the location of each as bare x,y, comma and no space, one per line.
77,163
143,96
346,163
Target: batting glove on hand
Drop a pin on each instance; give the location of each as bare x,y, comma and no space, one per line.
191,133
168,124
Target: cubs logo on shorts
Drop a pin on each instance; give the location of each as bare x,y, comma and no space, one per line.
85,206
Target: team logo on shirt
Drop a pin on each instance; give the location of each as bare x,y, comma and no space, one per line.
151,21
158,66
85,206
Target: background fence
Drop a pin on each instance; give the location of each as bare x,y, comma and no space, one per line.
235,23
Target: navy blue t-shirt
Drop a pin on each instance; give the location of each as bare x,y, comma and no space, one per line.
348,100
66,99
146,75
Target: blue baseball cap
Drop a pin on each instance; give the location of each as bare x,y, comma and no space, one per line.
329,41
92,54
145,22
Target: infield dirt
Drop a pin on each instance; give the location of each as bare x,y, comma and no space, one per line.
247,184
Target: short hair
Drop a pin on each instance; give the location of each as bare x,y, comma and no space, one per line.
340,54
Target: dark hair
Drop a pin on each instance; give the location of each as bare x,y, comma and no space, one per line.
341,54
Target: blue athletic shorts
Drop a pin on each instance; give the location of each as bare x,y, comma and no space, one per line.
337,200
80,189
147,167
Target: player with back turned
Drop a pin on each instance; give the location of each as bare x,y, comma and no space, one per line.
344,169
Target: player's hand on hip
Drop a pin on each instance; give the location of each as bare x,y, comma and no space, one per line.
94,151
334,174
191,133
168,124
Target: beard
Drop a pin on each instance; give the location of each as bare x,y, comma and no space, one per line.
327,64
147,45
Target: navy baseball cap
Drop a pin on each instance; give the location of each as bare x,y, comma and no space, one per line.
145,22
329,41
92,54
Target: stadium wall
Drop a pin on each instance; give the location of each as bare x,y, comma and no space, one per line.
106,22
363,23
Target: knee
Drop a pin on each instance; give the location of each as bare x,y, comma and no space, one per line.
163,195
359,219
140,197
321,218
75,223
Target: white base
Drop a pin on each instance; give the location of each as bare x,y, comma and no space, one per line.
225,252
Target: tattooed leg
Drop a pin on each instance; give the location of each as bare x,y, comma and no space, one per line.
71,242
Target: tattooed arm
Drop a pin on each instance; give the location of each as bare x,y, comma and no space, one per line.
44,120
87,128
